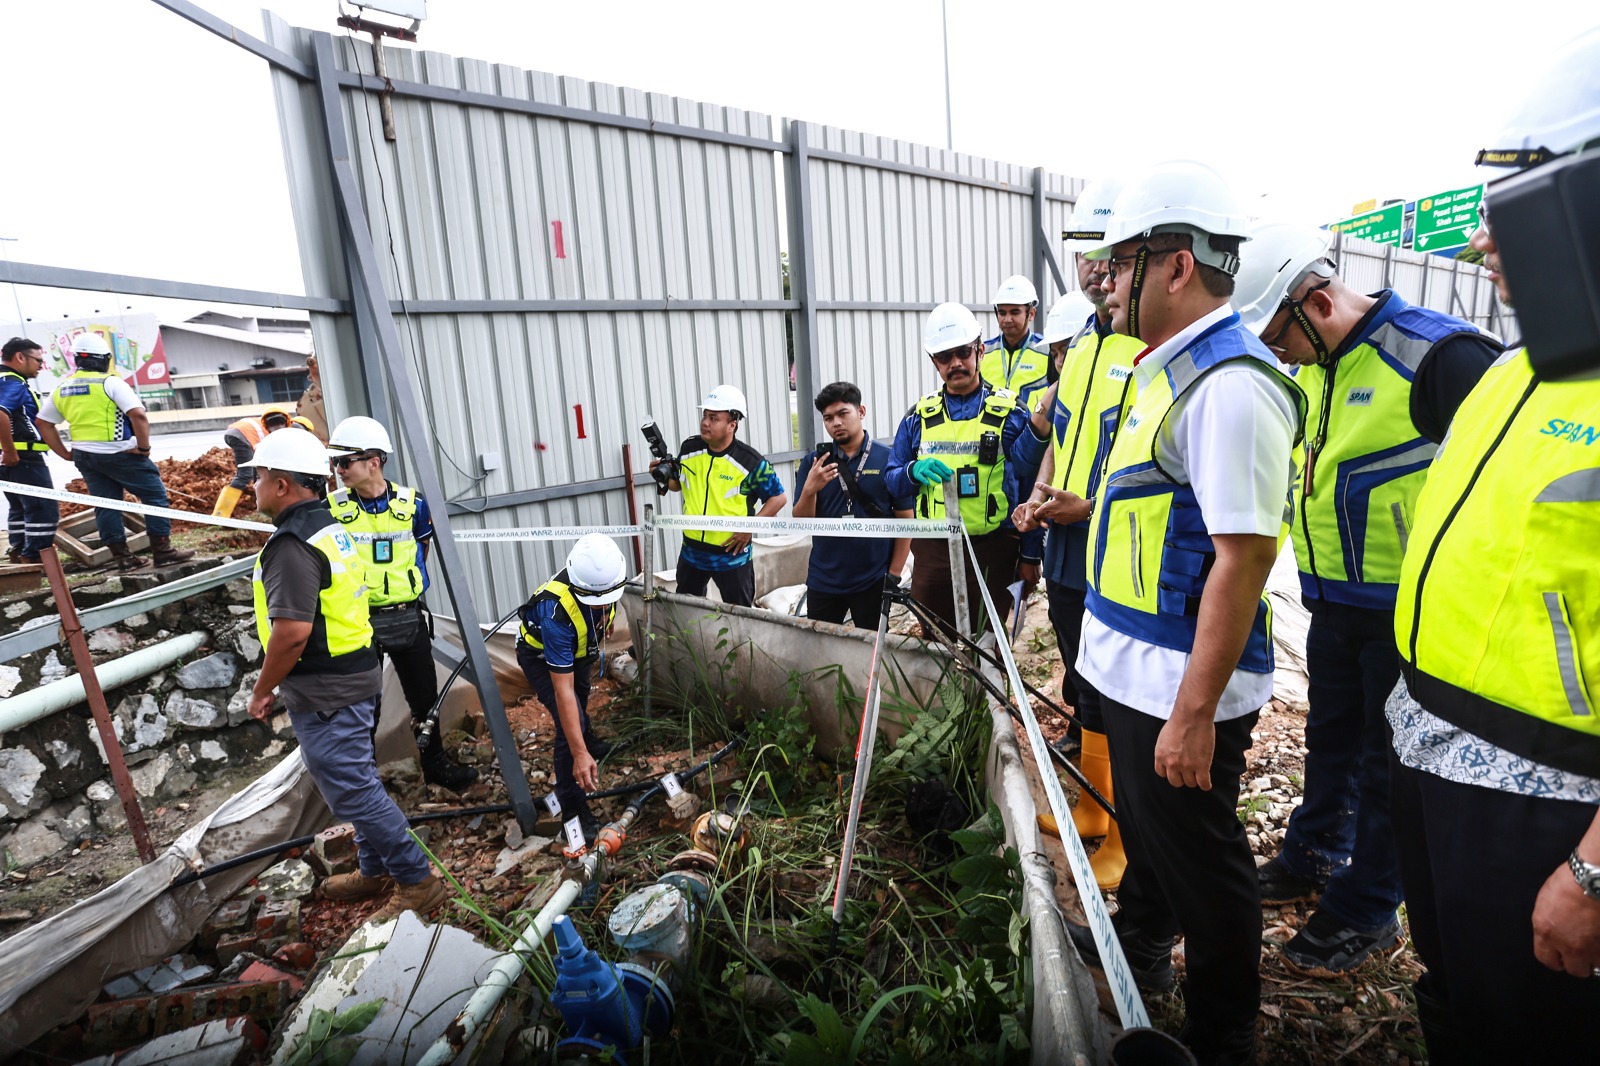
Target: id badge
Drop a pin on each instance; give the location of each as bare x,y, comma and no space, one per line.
967,482
383,551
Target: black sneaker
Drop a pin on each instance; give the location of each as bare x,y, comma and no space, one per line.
1326,946
1149,960
438,768
1233,1048
1279,885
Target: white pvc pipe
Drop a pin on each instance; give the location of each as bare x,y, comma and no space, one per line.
458,1033
36,703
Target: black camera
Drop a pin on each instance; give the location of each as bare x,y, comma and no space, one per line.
826,455
989,448
665,472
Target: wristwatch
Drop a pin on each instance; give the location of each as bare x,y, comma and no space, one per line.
1587,874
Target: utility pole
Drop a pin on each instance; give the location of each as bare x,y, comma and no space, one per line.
944,18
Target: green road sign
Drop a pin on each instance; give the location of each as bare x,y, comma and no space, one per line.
1447,219
1383,225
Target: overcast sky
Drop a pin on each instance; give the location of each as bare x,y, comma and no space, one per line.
144,145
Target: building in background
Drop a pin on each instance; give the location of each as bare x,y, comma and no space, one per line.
219,360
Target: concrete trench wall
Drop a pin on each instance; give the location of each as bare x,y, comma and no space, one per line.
179,727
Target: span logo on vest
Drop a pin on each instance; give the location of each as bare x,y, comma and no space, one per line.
1119,373
1572,432
1360,397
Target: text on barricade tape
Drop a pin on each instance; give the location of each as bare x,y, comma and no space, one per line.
921,528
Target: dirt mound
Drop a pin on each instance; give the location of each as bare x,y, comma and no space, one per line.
192,485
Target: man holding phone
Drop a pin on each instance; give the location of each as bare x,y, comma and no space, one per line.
843,478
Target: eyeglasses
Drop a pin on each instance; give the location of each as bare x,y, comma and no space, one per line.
945,358
1483,214
1114,266
1292,306
344,461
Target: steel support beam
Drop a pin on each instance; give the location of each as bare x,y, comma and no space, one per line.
410,424
1039,249
95,281
803,282
490,307
916,171
229,32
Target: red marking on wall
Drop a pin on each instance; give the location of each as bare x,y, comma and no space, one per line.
577,409
540,446
561,244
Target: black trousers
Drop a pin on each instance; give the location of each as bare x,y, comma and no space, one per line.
864,608
930,578
571,797
1473,861
737,586
413,665
1066,617
1190,870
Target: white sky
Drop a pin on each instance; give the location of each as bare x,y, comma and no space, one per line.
144,145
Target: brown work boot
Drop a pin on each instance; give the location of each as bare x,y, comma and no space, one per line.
122,558
424,898
14,554
166,554
354,886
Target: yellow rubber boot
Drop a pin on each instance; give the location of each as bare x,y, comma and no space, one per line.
1095,761
1110,861
227,500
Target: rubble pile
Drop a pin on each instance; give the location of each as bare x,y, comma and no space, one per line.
192,485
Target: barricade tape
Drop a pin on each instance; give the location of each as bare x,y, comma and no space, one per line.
828,527
1130,1006
10,487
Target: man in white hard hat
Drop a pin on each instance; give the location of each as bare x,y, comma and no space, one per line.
392,528
111,447
1495,786
720,475
1017,359
311,616
1383,380
1091,398
563,624
993,448
1183,533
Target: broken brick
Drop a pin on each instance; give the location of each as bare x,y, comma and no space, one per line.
232,917
334,851
112,1025
278,920
233,944
260,971
298,955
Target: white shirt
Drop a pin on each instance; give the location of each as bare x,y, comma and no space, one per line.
1230,438
121,394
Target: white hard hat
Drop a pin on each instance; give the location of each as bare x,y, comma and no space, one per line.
293,450
90,343
1067,316
949,326
725,398
1276,260
358,433
1016,290
1559,113
596,570
1086,229
1178,197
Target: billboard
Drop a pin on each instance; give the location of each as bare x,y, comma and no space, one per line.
135,342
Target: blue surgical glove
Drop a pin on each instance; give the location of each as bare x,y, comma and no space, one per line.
930,472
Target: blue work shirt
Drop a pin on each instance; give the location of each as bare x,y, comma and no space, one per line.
841,566
1024,449
549,620
18,401
421,522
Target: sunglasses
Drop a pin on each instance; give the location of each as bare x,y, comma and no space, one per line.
344,461
946,358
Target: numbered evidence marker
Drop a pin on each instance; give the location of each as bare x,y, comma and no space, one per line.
552,805
672,786
574,831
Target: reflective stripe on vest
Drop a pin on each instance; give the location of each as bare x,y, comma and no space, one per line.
22,418
1365,461
250,429
1149,552
1092,398
341,635
1498,616
81,398
715,485
1019,371
956,444
557,589
400,579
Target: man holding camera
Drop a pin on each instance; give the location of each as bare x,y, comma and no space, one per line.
721,476
844,478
